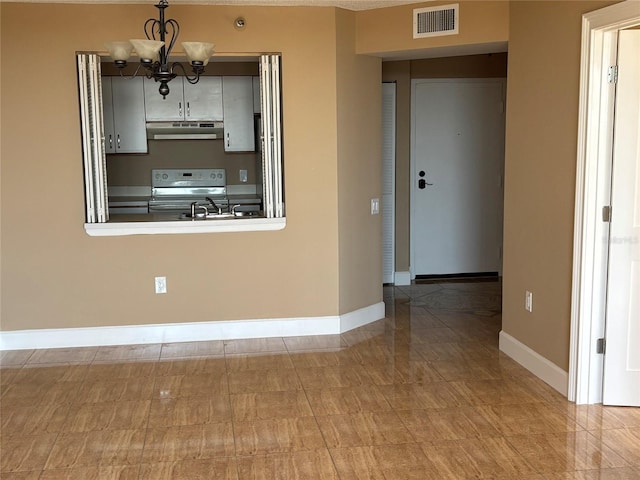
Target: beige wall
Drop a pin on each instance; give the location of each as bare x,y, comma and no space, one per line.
542,123
54,275
359,94
483,25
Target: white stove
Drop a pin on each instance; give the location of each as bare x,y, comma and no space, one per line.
174,190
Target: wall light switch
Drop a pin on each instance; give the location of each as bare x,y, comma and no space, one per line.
161,284
375,206
243,176
528,301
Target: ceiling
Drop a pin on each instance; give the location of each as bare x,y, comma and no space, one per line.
346,4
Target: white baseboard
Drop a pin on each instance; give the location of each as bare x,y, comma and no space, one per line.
188,332
542,368
402,278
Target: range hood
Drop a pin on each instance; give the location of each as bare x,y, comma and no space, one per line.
184,130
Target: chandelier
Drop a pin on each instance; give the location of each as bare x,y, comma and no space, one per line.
154,52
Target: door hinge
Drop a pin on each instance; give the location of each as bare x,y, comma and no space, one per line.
606,213
601,346
613,74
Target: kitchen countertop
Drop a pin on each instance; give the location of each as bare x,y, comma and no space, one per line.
174,223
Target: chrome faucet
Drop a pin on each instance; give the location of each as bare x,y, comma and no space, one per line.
195,205
213,204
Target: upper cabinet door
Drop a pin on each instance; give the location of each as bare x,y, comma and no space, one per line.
237,99
203,100
107,114
128,116
160,109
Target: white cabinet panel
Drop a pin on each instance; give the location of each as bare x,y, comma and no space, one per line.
238,114
163,109
124,118
203,100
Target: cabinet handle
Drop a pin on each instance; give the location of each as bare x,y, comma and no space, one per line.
118,140
110,142
180,109
228,140
188,110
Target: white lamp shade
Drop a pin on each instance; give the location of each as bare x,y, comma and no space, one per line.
147,49
198,51
119,50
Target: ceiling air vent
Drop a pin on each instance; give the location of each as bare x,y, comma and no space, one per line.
435,21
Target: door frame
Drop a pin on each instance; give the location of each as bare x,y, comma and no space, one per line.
412,166
593,182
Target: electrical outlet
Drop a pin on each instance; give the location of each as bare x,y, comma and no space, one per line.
528,301
243,176
161,284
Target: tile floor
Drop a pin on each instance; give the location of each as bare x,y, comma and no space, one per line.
422,394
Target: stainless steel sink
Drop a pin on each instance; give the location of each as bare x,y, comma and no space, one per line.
218,216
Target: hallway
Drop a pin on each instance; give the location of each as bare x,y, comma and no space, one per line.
422,394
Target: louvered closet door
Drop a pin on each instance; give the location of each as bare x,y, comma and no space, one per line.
95,171
271,136
388,180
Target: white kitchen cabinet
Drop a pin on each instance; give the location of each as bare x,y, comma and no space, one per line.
123,111
198,102
203,100
237,100
256,95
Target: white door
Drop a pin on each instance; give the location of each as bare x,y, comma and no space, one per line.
458,159
622,358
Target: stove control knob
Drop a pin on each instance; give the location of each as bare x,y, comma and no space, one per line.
165,176
219,175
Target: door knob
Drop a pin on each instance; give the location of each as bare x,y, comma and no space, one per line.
422,183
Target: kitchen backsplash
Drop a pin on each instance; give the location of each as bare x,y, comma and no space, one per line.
124,170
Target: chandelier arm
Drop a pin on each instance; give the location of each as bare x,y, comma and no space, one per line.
175,31
133,75
150,27
191,79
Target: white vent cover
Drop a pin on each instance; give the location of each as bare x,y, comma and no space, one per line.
435,21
